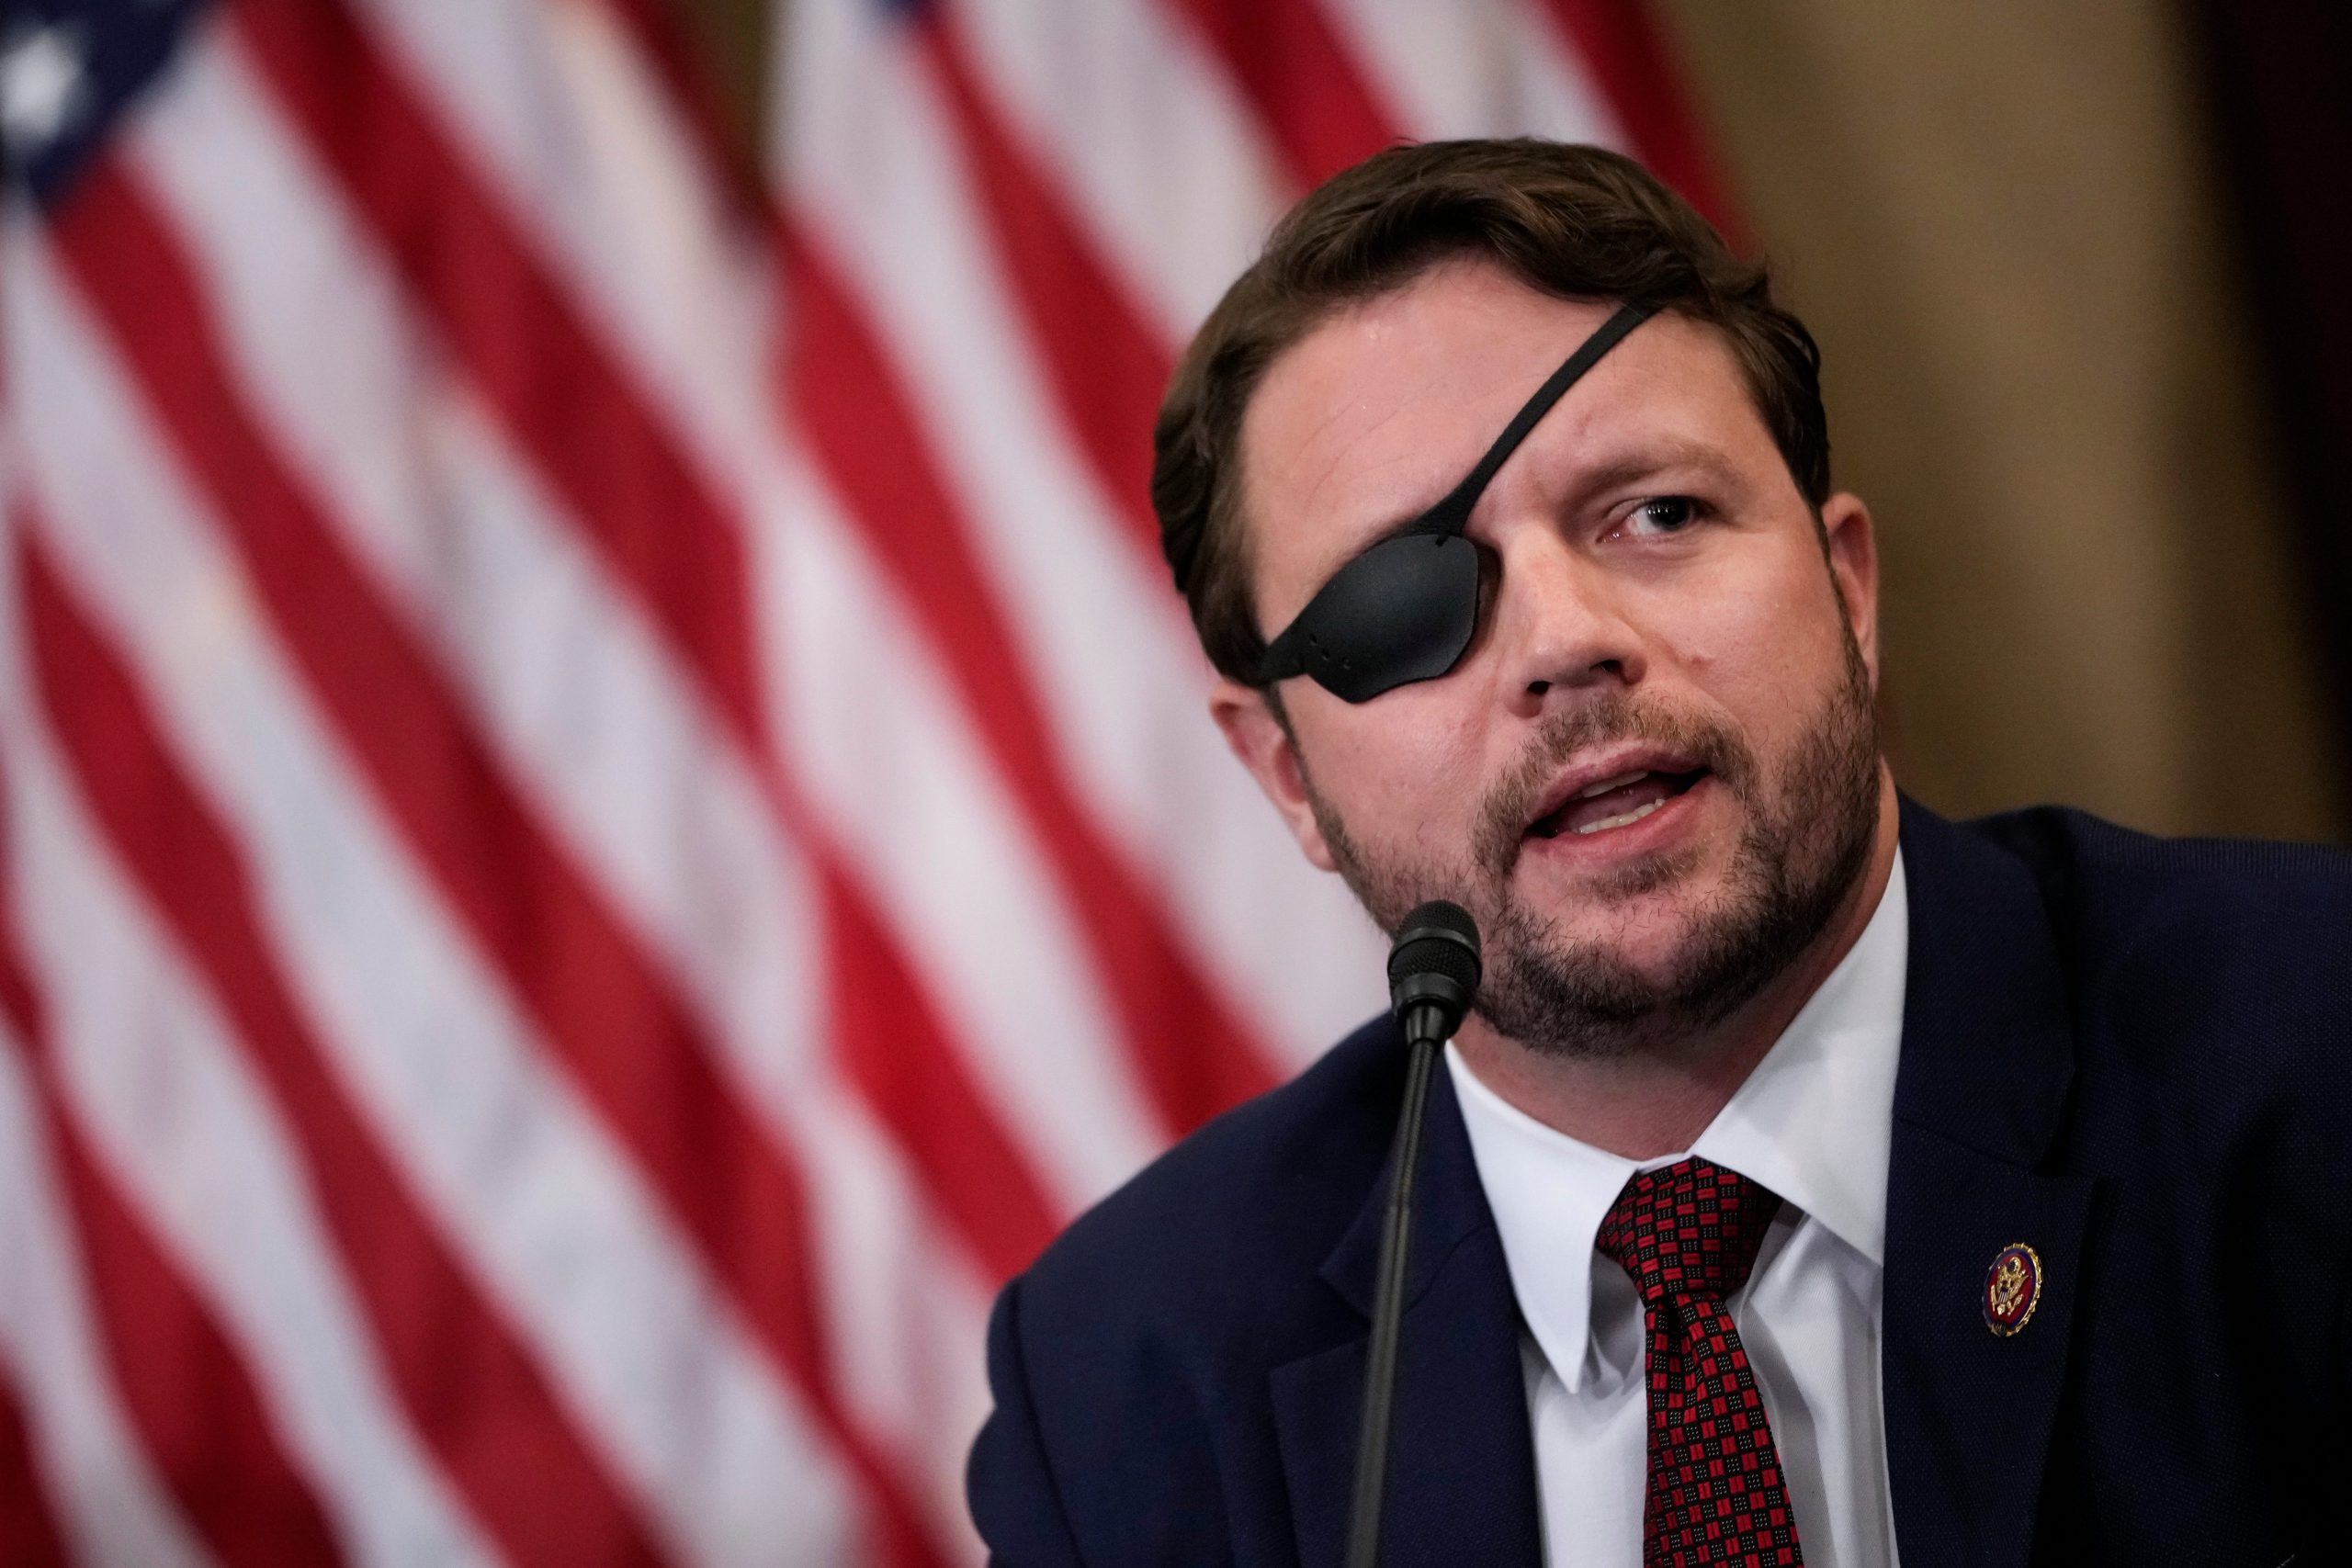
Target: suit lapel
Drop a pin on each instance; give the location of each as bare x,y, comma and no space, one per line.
1461,1476
1980,1096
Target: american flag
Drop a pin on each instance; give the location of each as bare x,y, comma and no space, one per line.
608,819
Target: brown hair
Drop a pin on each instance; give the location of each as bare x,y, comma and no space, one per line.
1579,222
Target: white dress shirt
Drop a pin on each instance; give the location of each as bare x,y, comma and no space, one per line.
1812,1122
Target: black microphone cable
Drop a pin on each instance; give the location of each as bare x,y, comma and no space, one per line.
1433,969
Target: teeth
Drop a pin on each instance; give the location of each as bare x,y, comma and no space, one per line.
1620,782
1631,816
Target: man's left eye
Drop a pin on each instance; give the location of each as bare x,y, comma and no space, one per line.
1664,515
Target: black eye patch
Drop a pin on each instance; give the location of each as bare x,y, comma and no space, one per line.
1404,610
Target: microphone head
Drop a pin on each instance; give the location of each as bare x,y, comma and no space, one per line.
1434,970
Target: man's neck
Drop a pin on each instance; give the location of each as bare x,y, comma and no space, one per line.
1657,1099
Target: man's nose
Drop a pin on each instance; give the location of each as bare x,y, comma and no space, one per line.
1560,622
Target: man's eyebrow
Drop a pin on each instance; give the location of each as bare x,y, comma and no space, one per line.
1651,458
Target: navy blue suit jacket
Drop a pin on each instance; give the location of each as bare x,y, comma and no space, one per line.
2130,1053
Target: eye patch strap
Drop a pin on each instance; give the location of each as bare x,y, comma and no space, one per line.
1451,514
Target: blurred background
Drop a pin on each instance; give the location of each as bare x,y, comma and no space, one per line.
605,817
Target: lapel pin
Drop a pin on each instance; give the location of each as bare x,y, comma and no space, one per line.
2012,1289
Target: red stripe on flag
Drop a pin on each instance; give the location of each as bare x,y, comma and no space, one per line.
1299,78
1619,44
982,1183
1107,367
475,1397
29,1534
614,1020
1193,1054
530,351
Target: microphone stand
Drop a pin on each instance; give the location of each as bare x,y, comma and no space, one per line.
1433,971
1388,1309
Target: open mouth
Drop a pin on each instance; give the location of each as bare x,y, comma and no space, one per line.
1618,802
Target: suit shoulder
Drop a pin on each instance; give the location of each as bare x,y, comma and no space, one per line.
1130,1361
2211,974
1238,1216
2217,905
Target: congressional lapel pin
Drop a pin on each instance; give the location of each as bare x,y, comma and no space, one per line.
2012,1289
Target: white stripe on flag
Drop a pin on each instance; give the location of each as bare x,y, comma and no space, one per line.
1565,99
1165,166
1493,68
910,1314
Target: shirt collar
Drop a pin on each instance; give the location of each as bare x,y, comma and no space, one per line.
1813,1122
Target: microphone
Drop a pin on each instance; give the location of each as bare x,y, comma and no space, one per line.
1433,971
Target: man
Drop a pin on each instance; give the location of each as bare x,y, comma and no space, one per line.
1816,1182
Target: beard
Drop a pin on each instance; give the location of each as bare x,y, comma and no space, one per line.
1807,843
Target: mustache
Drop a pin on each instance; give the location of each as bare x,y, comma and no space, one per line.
1500,833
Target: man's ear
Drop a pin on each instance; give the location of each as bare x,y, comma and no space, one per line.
1268,750
1851,542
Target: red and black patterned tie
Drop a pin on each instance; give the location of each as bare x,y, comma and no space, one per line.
1687,1237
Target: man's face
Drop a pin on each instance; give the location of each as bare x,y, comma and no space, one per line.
1653,779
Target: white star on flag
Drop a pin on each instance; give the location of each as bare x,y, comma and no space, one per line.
40,87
